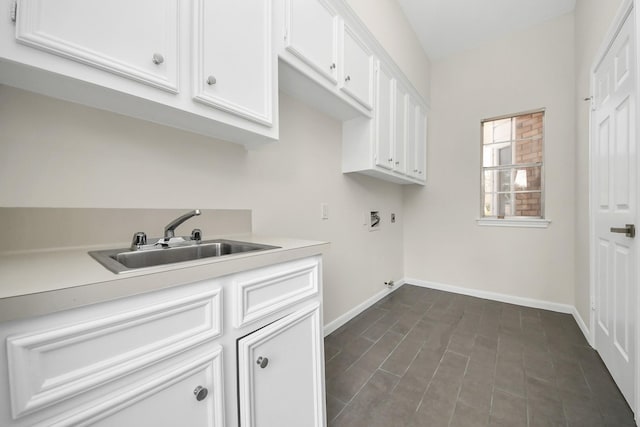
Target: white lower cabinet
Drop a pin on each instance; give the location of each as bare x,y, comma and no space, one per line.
164,358
280,373
186,393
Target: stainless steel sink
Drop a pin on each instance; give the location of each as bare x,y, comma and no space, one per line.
124,260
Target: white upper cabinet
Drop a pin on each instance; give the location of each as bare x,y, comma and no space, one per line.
325,60
392,145
138,40
234,58
356,78
206,66
384,117
311,34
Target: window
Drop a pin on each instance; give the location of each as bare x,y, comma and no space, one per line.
512,167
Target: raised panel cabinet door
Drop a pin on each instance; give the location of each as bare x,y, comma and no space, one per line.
234,57
421,143
411,147
138,40
357,69
400,140
384,114
311,35
187,393
280,373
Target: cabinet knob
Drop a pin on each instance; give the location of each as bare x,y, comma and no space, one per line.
390,159
397,163
200,393
332,66
262,361
415,170
211,80
158,58
347,79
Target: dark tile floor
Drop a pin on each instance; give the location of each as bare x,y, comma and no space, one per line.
422,357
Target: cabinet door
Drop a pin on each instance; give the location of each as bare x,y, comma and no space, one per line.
384,117
421,143
416,140
280,373
400,164
234,59
357,68
189,393
137,40
311,35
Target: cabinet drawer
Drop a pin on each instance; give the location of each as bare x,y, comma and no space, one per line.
49,365
262,292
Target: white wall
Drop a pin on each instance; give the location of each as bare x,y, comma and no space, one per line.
58,154
593,19
387,22
528,70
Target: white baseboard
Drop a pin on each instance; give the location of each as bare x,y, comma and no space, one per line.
335,324
494,296
583,326
510,299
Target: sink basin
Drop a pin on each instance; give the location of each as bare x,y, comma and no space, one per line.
123,260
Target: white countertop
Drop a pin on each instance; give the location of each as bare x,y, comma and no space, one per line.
40,282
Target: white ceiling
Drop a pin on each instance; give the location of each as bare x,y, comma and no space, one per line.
445,27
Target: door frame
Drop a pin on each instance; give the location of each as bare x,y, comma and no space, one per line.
628,9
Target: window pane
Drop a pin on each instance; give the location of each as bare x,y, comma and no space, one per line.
513,179
501,130
528,151
498,204
528,179
529,126
528,204
497,155
496,181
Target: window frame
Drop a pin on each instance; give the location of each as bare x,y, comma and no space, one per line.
514,221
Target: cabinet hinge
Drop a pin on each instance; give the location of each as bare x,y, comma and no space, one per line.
14,11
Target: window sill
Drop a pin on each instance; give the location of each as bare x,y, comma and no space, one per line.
519,222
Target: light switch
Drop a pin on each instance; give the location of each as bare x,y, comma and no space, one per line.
324,211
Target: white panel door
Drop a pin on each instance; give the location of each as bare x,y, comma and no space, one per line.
138,39
312,35
384,114
234,67
357,69
614,206
280,373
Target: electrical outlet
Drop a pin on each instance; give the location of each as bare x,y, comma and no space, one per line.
393,218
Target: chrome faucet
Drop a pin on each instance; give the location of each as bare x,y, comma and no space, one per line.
170,228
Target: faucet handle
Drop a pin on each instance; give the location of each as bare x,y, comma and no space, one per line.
196,234
139,239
